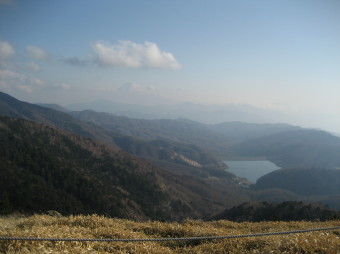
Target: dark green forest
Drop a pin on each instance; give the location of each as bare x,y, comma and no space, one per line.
44,169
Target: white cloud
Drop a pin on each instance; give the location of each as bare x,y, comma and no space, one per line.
7,74
133,55
132,87
33,67
10,80
13,80
36,52
25,88
6,50
36,81
151,88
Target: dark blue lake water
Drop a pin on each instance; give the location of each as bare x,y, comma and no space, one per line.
252,170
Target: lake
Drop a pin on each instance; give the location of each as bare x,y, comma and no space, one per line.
252,170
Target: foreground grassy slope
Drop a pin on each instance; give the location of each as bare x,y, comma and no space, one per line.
100,227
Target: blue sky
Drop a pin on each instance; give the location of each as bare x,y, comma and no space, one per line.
275,54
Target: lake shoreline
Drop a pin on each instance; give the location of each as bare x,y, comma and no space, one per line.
252,170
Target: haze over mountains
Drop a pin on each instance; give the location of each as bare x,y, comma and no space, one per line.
143,102
184,159
136,101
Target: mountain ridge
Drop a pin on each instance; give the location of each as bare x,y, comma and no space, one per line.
15,108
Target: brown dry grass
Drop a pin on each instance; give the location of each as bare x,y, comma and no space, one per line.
100,227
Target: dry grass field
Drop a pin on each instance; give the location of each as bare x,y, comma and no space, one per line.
94,226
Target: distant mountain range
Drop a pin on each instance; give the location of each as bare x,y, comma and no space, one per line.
184,159
133,107
209,114
176,130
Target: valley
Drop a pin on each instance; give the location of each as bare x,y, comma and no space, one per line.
180,163
251,169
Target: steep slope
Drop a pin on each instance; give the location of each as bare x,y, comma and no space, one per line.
11,107
43,168
301,148
170,154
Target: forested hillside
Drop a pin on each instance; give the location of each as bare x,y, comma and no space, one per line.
303,181
285,211
43,168
189,158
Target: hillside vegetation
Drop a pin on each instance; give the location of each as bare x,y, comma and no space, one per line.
324,242
164,146
285,211
44,168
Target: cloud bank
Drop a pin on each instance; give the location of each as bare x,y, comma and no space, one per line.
133,55
10,79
